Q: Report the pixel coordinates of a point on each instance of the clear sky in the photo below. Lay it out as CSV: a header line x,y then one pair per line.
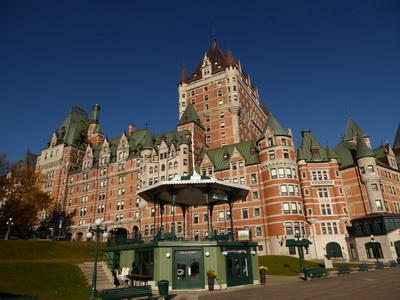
x,y
315,63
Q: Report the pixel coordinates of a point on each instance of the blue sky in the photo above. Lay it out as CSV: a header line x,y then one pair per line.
x,y
315,63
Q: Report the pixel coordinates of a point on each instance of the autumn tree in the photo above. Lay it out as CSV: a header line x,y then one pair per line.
x,y
22,199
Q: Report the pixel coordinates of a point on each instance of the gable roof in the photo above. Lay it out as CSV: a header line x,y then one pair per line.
x,y
310,147
220,157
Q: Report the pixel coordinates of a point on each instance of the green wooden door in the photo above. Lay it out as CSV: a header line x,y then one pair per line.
x,y
238,268
188,269
333,249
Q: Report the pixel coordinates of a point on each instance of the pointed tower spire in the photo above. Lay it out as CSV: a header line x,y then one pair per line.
x,y
397,139
190,115
184,78
229,58
148,140
330,153
274,125
362,149
353,131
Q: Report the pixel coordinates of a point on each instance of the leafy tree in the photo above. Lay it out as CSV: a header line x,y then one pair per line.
x,y
23,199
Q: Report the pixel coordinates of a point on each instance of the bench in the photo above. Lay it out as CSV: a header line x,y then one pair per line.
x,y
127,293
393,263
312,273
379,265
362,267
343,269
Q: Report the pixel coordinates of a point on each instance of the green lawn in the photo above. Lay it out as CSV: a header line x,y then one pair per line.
x,y
284,265
44,268
48,280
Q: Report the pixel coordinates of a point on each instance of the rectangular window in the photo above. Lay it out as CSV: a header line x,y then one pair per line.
x,y
371,169
281,172
284,190
258,231
294,208
245,214
220,216
256,212
374,186
253,178
378,204
255,195
272,154
273,174
286,208
196,219
289,228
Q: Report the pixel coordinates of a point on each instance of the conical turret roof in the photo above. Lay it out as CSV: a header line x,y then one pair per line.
x,y
353,131
362,149
274,125
190,116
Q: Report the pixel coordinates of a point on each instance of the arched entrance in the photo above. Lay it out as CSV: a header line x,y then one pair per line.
x,y
135,232
79,236
333,249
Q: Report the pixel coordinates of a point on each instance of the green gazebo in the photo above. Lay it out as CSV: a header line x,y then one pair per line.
x,y
181,259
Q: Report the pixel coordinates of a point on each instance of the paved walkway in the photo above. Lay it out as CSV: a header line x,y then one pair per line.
x,y
376,284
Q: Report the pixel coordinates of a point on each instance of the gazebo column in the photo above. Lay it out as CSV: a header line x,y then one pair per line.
x,y
231,215
161,219
209,230
155,215
173,212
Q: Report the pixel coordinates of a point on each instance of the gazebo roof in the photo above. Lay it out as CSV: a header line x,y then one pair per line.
x,y
192,190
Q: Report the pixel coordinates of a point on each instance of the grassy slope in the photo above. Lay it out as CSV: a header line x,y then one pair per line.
x,y
284,265
43,268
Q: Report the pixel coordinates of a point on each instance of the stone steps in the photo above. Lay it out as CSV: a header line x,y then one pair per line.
x,y
105,279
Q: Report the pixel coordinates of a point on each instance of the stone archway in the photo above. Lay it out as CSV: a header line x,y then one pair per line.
x,y
135,232
334,250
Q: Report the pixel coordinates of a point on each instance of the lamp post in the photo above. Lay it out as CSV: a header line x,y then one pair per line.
x,y
9,224
298,239
375,248
89,235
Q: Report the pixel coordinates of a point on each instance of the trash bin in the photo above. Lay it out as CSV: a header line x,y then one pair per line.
x,y
163,288
306,273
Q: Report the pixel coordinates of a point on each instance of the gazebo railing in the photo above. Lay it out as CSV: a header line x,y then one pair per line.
x,y
196,235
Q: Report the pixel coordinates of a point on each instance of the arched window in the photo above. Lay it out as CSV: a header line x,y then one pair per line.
x,y
170,166
374,250
162,167
176,165
151,170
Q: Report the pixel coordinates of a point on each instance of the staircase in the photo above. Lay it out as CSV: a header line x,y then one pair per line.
x,y
105,279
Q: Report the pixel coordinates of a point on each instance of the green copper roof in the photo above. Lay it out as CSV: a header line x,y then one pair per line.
x,y
28,161
74,128
362,149
220,157
274,125
346,153
353,131
148,142
310,149
330,153
190,116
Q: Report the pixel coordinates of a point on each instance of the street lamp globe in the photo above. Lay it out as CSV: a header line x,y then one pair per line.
x,y
98,222
89,235
105,235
